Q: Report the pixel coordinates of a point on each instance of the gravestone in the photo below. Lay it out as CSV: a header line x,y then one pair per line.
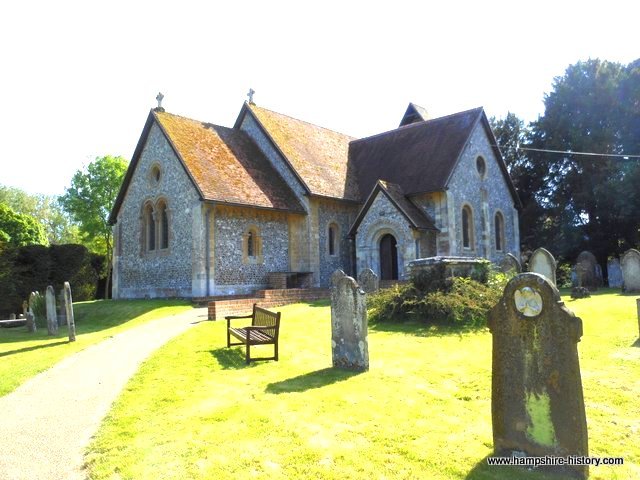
x,y
68,306
25,307
614,273
542,262
335,276
537,404
12,316
589,275
62,312
52,317
31,323
368,281
630,264
349,343
510,264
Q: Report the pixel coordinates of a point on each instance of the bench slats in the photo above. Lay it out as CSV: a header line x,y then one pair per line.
x,y
264,329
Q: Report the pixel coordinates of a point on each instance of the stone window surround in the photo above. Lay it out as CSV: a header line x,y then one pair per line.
x,y
481,167
151,207
155,174
336,238
470,227
257,258
500,232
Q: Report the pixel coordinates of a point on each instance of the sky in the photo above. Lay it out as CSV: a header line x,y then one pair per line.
x,y
78,78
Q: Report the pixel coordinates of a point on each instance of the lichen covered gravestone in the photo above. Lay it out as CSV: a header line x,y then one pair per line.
x,y
368,281
510,264
614,273
542,262
52,317
537,404
630,263
349,343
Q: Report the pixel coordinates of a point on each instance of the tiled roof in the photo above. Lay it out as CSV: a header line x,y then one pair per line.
x,y
319,156
414,215
419,157
226,165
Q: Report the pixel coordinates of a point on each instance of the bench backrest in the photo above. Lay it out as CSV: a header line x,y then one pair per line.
x,y
266,318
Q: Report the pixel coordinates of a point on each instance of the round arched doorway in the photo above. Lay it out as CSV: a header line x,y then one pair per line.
x,y
388,257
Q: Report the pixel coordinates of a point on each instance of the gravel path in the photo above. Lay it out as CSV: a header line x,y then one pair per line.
x,y
46,424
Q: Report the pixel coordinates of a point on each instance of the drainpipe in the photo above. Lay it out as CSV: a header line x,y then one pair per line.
x,y
207,248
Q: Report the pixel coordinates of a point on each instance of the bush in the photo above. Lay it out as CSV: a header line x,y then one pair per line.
x,y
433,299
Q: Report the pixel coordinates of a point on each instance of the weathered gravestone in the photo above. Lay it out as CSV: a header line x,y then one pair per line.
x,y
335,276
349,343
537,405
614,273
368,281
12,316
589,275
638,309
62,311
542,262
52,317
510,264
630,264
68,305
31,323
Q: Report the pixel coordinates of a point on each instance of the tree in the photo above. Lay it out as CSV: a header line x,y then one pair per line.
x,y
589,111
89,200
17,229
45,209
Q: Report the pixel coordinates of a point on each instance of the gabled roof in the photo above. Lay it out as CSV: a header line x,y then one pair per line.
x,y
317,156
420,157
224,164
415,113
414,215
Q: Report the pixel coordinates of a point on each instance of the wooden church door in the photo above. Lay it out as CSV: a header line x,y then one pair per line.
x,y
388,258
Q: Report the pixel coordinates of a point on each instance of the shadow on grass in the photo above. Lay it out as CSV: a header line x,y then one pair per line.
x,y
29,349
421,329
230,358
308,381
483,471
636,343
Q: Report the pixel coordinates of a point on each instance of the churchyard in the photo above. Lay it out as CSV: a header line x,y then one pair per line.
x,y
25,354
421,410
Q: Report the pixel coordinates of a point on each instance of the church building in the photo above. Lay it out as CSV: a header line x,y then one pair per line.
x,y
276,202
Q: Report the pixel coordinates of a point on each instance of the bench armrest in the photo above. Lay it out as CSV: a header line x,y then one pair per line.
x,y
232,317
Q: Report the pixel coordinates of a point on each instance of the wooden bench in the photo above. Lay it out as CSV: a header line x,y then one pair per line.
x,y
264,329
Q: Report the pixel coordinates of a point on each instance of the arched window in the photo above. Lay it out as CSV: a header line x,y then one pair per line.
x,y
149,229
481,166
251,247
332,239
467,228
499,227
163,227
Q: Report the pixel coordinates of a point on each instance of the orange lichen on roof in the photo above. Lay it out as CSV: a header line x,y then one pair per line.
x,y
226,164
318,155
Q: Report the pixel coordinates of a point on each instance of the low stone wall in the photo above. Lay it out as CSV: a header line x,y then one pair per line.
x,y
218,309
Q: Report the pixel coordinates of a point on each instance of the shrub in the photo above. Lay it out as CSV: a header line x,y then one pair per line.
x,y
431,298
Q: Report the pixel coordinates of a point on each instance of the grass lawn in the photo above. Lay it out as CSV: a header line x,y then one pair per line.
x,y
23,355
422,411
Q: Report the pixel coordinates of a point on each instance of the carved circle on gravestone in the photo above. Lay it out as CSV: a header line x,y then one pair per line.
x,y
528,302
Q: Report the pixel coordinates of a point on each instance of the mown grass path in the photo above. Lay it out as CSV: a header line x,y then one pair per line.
x,y
23,354
48,421
422,411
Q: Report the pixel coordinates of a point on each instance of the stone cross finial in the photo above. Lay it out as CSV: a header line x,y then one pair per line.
x,y
250,95
159,98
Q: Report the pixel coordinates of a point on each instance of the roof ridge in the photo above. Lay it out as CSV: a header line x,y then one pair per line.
x,y
417,124
299,120
192,119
